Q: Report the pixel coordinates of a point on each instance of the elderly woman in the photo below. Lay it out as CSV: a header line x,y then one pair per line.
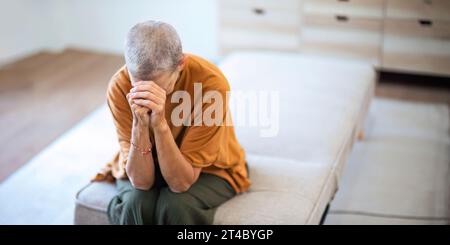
x,y
169,172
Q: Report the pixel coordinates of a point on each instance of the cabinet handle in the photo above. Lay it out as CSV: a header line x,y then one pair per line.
x,y
341,18
349,0
425,23
429,2
259,11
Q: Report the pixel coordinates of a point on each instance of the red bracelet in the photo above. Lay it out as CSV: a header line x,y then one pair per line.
x,y
143,152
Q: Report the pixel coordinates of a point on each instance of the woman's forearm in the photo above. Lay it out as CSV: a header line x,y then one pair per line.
x,y
176,170
140,167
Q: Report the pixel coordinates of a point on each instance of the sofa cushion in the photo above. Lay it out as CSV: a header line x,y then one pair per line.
x,y
92,202
284,191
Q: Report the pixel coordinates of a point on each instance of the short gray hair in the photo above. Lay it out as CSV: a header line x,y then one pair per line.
x,y
152,47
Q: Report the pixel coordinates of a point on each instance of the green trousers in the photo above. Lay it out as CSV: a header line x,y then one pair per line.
x,y
159,205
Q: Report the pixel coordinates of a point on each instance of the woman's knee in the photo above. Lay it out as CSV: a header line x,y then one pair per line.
x,y
133,207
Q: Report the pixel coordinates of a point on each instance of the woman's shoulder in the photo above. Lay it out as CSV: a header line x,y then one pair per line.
x,y
119,83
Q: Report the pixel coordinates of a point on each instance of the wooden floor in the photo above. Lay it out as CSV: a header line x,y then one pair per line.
x,y
47,93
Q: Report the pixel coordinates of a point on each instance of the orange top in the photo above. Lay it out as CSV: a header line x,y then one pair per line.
x,y
213,148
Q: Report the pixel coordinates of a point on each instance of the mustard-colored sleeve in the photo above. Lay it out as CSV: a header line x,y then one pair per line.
x,y
122,117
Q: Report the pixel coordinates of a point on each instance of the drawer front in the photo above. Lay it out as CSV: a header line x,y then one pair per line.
x,y
356,8
419,9
259,24
342,36
232,39
411,46
261,18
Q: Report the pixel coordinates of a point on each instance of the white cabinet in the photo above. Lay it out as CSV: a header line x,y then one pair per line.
x,y
417,36
256,24
417,46
399,35
343,36
344,28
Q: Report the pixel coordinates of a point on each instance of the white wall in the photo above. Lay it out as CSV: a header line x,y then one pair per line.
x,y
24,28
101,24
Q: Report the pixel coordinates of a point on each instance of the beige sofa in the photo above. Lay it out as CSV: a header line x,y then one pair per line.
x,y
295,173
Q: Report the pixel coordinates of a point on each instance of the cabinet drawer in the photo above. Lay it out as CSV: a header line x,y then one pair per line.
x,y
277,20
356,8
259,24
409,45
232,39
419,9
342,36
